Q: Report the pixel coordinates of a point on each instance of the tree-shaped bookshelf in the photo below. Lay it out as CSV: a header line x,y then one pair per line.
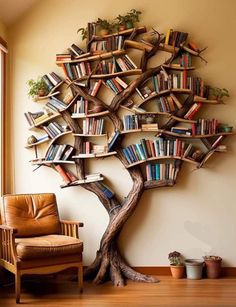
x,y
169,99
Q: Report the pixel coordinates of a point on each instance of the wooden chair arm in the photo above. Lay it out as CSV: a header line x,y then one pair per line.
x,y
7,244
70,228
8,228
72,222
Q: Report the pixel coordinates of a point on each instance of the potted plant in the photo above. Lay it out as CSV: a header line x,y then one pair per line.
x,y
218,93
176,265
213,266
127,21
37,88
104,26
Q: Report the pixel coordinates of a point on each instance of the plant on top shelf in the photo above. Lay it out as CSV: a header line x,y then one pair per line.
x,y
218,93
104,26
37,87
127,21
176,264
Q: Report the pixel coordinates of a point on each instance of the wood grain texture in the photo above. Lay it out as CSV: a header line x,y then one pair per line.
x,y
62,292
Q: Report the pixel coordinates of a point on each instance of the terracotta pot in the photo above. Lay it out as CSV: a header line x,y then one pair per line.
x,y
213,268
122,27
177,271
41,93
104,32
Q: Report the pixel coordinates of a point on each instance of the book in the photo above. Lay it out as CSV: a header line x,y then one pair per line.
x,y
113,139
63,173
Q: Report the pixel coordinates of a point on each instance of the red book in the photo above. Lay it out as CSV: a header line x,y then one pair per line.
x,y
63,174
152,148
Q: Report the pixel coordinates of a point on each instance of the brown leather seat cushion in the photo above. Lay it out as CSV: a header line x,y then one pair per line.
x,y
47,246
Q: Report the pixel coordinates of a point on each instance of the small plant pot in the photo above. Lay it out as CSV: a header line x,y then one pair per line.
x,y
104,32
42,93
122,27
194,268
177,271
213,268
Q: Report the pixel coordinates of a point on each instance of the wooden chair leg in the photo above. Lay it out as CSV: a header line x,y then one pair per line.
x,y
80,278
17,286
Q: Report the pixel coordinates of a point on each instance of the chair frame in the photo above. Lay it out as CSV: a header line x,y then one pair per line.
x,y
10,261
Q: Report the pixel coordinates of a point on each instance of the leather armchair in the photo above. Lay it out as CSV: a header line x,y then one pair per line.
x,y
33,240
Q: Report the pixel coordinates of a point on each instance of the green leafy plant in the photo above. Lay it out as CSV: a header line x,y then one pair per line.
x,y
219,93
131,17
84,33
175,258
104,24
35,86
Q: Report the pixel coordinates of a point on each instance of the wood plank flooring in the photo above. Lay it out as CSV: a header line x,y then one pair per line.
x,y
61,291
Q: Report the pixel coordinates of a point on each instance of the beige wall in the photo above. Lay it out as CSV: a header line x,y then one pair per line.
x,y
195,217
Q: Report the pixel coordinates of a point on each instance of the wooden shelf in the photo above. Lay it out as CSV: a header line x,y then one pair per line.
x,y
190,50
55,87
89,135
55,115
207,101
104,113
137,45
37,143
81,181
195,136
164,92
161,158
43,162
151,184
127,32
39,98
126,73
173,67
57,137
168,48
95,155
91,58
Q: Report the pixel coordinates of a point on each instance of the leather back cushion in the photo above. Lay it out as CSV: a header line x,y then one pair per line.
x,y
31,214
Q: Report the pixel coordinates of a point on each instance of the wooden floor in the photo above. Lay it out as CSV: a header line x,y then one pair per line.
x,y
61,291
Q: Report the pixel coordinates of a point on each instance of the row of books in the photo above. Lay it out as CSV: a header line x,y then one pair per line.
x,y
56,104
117,85
38,117
59,152
185,60
53,129
123,63
205,126
51,79
130,122
107,44
80,107
75,71
90,148
160,147
169,103
161,171
175,38
93,126
162,82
